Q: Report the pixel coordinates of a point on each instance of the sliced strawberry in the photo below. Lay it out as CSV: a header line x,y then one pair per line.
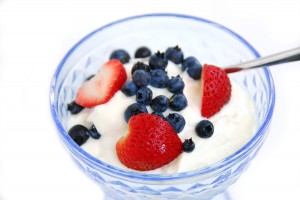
x,y
150,143
215,90
102,87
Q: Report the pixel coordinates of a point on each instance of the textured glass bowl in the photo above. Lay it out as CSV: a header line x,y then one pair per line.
x,y
210,43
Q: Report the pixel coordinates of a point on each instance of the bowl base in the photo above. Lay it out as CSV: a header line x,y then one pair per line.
x,y
224,196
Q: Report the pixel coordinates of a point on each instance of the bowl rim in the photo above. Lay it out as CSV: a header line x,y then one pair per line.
x,y
140,176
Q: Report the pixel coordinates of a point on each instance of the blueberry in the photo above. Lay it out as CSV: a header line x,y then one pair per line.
x,y
158,61
158,114
121,55
129,89
205,129
178,102
79,134
134,109
176,121
188,145
141,78
160,103
142,52
174,54
74,108
176,85
189,62
159,78
140,65
144,96
93,132
195,72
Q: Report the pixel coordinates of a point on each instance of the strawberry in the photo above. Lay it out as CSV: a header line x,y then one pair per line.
x,y
215,90
151,143
102,87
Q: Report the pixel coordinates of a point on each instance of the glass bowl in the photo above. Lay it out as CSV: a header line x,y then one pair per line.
x,y
211,43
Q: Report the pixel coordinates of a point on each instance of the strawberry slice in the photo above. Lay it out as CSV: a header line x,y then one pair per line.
x,y
215,90
102,87
150,143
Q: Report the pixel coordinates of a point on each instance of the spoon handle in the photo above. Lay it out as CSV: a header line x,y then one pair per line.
x,y
274,59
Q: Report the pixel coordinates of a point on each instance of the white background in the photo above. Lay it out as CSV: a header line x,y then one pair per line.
x,y
35,35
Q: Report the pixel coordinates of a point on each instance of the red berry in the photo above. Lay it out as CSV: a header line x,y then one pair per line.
x,y
102,87
215,90
151,143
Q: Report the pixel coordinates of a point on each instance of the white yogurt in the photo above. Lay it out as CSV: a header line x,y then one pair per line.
x,y
234,125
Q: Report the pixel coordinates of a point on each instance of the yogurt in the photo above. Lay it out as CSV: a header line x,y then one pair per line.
x,y
234,125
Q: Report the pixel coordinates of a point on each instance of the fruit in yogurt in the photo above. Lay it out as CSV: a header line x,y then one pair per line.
x,y
79,134
176,121
121,55
215,90
134,109
102,87
193,67
158,61
175,54
74,108
151,143
160,104
159,78
204,129
142,52
188,145
123,134
176,85
129,89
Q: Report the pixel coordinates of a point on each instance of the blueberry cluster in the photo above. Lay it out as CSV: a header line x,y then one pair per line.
x,y
80,134
154,74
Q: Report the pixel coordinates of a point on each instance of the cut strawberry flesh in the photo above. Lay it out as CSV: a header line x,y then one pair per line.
x,y
102,87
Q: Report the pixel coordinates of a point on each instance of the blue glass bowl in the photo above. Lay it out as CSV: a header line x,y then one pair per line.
x,y
211,43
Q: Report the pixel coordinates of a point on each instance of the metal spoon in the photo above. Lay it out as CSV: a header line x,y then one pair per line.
x,y
274,59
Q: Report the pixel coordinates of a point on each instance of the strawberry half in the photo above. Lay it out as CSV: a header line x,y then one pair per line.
x,y
150,143
102,87
215,90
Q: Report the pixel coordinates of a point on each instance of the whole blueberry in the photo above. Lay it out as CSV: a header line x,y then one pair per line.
x,y
189,62
178,102
129,88
158,61
74,108
204,129
93,132
174,54
158,114
79,134
195,72
144,96
160,103
188,145
176,121
159,78
134,109
141,78
142,52
176,85
140,65
121,55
